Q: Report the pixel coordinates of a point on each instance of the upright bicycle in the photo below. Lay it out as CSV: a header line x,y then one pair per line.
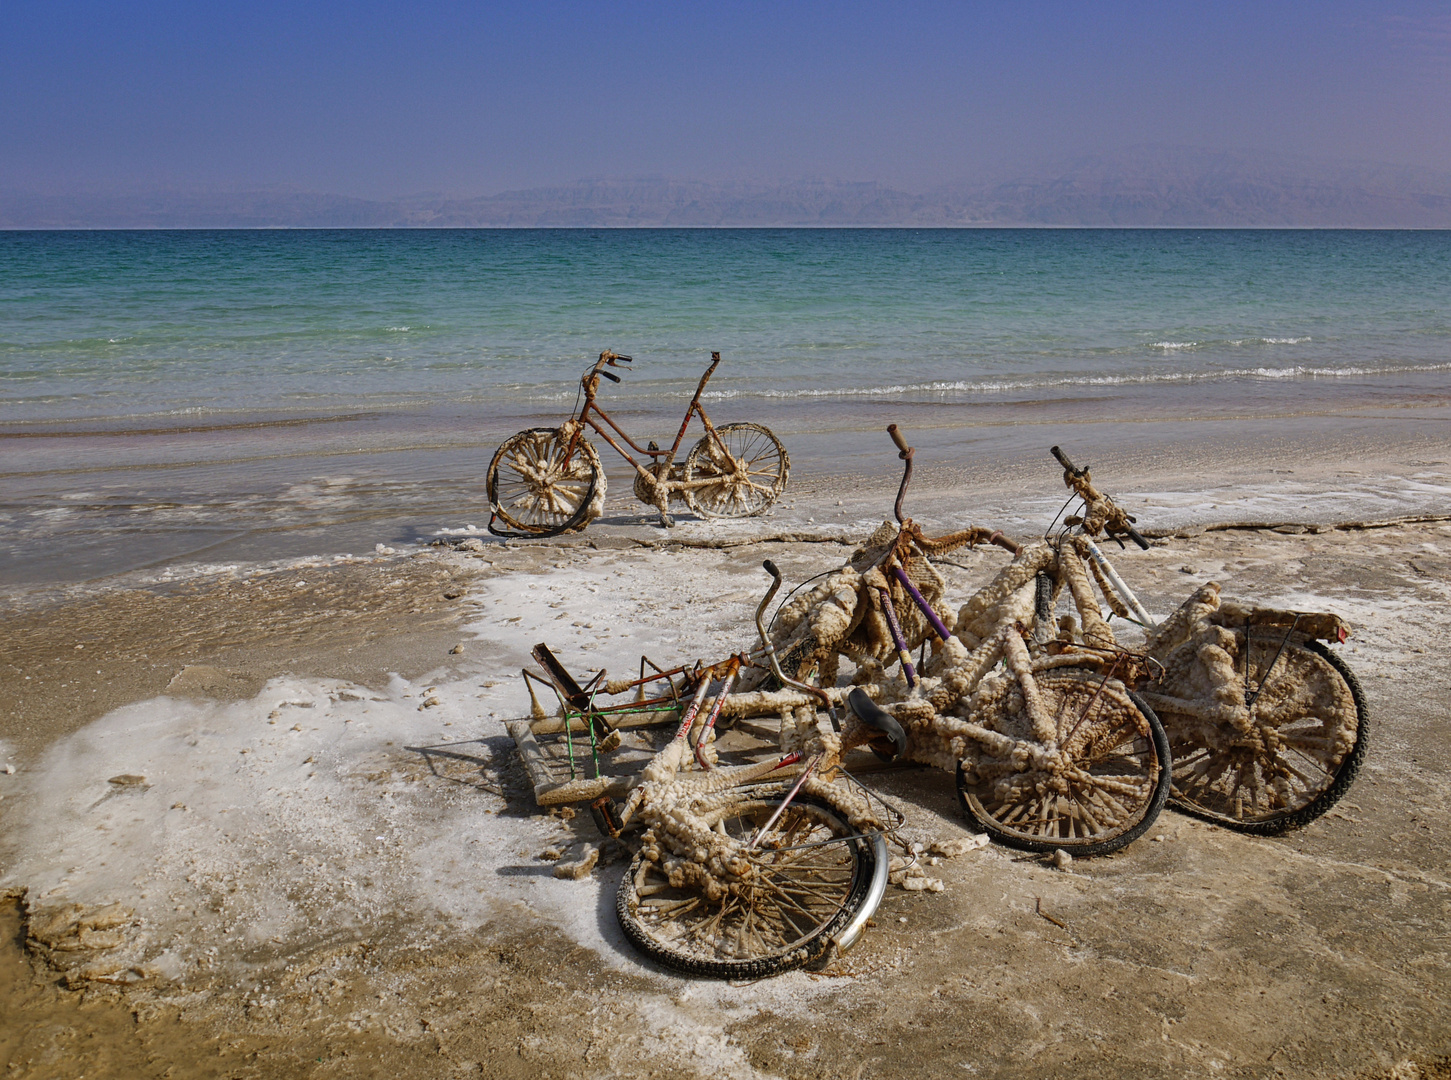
x,y
547,481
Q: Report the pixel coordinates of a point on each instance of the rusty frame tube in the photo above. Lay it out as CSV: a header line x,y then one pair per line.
x,y
591,383
733,670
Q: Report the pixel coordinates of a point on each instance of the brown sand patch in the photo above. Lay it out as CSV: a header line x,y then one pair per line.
x,y
222,637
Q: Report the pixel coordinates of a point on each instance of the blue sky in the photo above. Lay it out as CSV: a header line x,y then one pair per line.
x,y
384,99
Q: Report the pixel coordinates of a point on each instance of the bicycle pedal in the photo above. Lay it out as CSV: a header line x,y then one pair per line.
x,y
606,817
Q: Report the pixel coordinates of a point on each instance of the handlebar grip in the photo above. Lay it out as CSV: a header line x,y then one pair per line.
x,y
771,569
898,439
610,375
1063,460
1136,538
626,359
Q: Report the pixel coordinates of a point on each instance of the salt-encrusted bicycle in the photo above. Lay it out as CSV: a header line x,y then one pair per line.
x,y
751,870
546,481
1050,745
739,875
1268,728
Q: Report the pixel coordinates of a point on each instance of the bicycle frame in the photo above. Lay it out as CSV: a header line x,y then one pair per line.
x,y
591,384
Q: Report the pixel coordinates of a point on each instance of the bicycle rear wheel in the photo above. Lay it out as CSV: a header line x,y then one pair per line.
x,y
1108,785
535,492
807,877
1310,729
742,482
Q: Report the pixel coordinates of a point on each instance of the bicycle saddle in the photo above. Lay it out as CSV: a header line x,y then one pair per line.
x,y
891,742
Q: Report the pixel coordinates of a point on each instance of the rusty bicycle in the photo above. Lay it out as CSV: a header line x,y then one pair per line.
x,y
743,868
547,481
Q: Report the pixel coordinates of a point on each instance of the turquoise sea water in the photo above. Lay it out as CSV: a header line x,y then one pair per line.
x,y
225,383
122,325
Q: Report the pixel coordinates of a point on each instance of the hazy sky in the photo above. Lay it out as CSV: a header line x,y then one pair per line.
x,y
388,98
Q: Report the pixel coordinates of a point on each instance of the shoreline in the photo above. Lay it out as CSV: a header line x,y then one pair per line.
x,y
133,502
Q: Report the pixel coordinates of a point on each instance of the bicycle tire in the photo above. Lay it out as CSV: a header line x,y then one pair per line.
x,y
528,492
849,870
1043,600
992,802
1336,781
766,468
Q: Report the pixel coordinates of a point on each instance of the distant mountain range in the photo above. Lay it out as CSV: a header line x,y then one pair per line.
x,y
1141,187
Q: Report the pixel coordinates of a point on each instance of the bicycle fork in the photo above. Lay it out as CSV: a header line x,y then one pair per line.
x,y
1125,593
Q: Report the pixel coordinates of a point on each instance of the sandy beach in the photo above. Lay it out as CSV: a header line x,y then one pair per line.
x,y
264,819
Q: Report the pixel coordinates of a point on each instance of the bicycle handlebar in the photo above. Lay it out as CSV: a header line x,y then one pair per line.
x,y
1079,480
606,358
1063,460
905,450
786,680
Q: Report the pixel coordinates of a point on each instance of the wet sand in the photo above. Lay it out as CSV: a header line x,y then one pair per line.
x,y
327,858
78,504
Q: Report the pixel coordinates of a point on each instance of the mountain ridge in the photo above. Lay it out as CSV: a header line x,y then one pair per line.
x,y
1141,187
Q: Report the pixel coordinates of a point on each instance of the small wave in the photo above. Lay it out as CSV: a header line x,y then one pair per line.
x,y
1284,340
1169,345
1019,385
400,329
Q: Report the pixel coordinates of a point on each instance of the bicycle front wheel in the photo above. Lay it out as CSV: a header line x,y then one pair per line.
x,y
741,481
1309,730
804,881
1104,788
535,492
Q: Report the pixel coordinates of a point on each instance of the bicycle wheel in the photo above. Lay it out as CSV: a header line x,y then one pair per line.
x,y
1105,786
535,493
806,878
1310,729
741,483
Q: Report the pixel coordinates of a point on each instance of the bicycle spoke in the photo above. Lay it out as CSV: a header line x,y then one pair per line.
x,y
795,887
1303,725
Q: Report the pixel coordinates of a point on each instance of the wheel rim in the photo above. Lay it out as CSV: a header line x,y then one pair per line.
x,y
802,876
1303,724
1102,786
533,489
743,484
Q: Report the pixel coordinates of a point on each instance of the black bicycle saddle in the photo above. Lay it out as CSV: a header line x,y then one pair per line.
x,y
878,719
